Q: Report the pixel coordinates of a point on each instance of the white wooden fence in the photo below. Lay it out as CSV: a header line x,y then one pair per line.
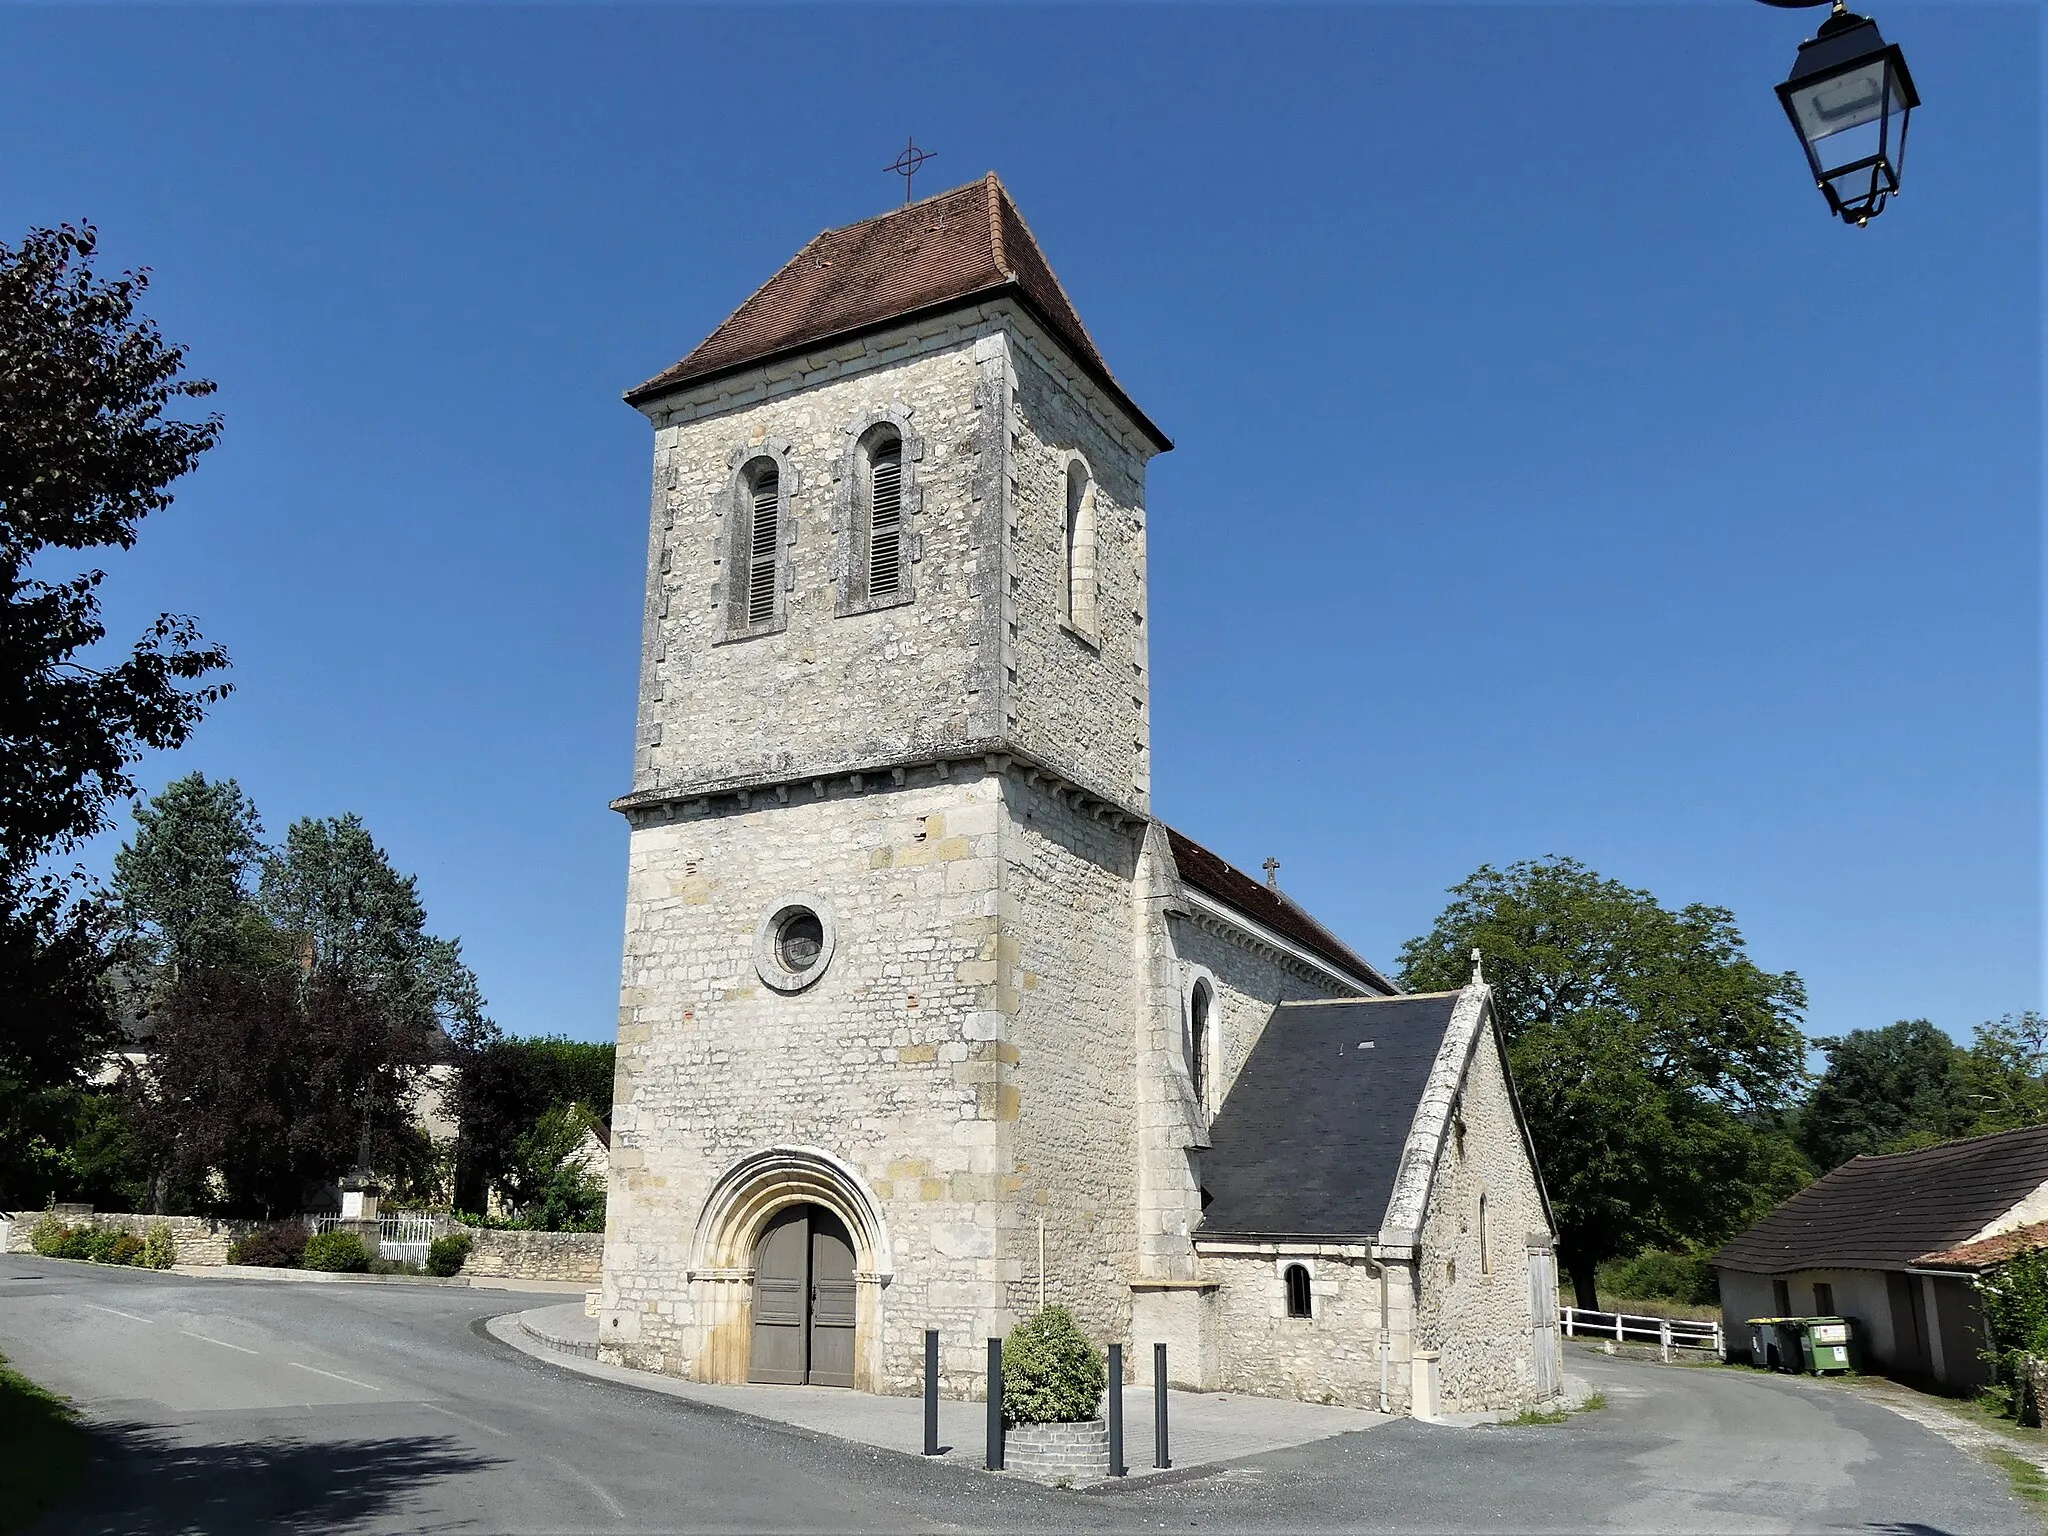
x,y
403,1237
1667,1333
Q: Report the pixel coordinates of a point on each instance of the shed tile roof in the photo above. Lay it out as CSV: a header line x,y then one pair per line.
x,y
1885,1212
1987,1252
1309,1141
965,245
1266,905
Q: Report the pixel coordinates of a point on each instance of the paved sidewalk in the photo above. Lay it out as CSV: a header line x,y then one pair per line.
x,y
1204,1427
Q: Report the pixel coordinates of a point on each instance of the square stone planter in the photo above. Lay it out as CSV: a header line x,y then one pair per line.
x,y
1068,1453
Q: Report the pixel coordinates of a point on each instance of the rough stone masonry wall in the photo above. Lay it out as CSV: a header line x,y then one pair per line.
x,y
1080,704
503,1255
199,1239
1068,957
1247,983
831,690
1331,1356
1478,1314
893,1060
1250,984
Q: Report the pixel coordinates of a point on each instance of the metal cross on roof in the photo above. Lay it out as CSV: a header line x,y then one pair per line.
x,y
906,164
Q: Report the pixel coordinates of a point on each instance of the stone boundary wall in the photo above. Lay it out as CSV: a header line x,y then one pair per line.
x,y
502,1255
1076,1453
200,1239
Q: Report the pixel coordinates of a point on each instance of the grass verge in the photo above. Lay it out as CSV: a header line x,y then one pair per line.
x,y
42,1449
1529,1416
2028,1481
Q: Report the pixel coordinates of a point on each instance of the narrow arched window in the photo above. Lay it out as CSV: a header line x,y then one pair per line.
x,y
885,518
1080,548
1198,1042
757,549
1485,1248
1296,1278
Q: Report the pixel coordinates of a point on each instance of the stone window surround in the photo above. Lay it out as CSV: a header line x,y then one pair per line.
x,y
731,622
1191,977
1090,633
849,510
768,964
1281,1265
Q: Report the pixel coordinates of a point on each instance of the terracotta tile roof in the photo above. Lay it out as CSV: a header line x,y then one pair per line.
x,y
1885,1212
1263,904
1987,1252
966,245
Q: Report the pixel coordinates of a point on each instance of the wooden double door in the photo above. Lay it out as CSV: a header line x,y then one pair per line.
x,y
804,1300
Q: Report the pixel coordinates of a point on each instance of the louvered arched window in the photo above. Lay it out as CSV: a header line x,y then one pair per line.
x,y
1080,595
885,518
756,601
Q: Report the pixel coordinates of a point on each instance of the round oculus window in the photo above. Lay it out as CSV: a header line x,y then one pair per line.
x,y
793,943
799,940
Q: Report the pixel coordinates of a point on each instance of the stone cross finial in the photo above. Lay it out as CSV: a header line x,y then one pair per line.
x,y
1478,976
1272,868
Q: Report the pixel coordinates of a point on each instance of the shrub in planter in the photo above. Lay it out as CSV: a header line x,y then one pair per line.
x,y
337,1252
77,1243
127,1249
1051,1373
447,1255
159,1248
48,1236
280,1245
103,1244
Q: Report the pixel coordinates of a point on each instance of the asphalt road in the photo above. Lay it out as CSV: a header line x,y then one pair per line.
x,y
232,1406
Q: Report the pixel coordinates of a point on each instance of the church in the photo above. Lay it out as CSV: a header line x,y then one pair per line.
x,y
925,1019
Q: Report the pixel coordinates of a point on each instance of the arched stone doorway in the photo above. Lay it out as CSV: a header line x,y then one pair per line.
x,y
760,1215
804,1300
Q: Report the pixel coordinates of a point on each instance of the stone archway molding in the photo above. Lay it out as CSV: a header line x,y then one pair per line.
x,y
721,1277
757,1186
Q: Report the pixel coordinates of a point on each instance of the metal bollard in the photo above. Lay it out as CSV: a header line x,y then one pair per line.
x,y
1116,1411
931,1391
995,1405
1159,1456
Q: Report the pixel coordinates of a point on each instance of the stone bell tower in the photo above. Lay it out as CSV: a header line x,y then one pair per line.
x,y
891,787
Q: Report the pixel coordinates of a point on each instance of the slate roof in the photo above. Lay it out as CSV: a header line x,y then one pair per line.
x,y
1986,1252
1885,1212
960,247
1263,904
1308,1142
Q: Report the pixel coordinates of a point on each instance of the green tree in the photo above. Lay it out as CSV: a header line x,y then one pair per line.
x,y
1885,1090
547,1183
88,448
1651,1054
2005,1074
263,1080
336,896
185,883
508,1085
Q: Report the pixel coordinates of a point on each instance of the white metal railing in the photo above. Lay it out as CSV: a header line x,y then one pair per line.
x,y
403,1236
1667,1333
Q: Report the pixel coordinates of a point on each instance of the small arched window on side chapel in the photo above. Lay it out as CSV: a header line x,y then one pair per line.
x,y
882,553
1200,1003
755,598
1298,1295
1080,548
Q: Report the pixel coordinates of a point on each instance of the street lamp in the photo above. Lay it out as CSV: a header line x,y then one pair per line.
x,y
1849,97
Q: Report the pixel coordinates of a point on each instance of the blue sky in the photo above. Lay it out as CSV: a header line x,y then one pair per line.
x,y
1552,475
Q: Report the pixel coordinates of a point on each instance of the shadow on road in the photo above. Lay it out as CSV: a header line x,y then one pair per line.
x,y
144,1482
